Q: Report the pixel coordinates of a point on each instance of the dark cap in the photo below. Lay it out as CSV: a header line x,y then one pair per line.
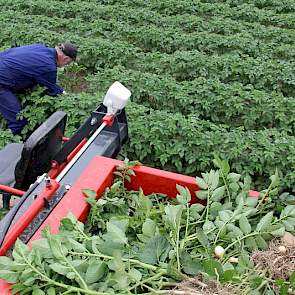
x,y
69,49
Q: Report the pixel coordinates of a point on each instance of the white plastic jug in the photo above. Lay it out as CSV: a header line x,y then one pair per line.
x,y
116,97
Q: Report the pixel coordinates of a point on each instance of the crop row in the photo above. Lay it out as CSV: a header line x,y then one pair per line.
x,y
277,6
231,104
90,11
188,145
154,38
244,11
184,144
262,73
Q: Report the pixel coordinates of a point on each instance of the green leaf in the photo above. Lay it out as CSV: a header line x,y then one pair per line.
x,y
225,215
288,211
212,266
135,275
173,215
228,275
116,231
251,202
278,232
202,237
9,276
59,268
251,244
89,193
234,231
71,275
275,179
213,178
149,227
197,207
202,195
244,225
144,203
244,261
261,243
95,271
218,194
55,246
208,226
201,183
264,222
118,173
6,263
38,292
76,246
184,195
222,164
234,177
51,291
155,250
190,266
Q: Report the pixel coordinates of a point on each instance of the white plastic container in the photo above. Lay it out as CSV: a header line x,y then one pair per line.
x,y
116,97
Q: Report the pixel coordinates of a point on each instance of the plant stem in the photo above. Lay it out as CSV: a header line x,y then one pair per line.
x,y
67,287
142,264
208,205
225,183
243,238
159,274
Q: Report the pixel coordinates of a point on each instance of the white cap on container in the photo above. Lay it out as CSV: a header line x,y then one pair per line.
x,y
116,97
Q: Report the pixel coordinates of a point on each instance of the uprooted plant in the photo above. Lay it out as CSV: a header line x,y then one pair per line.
x,y
137,244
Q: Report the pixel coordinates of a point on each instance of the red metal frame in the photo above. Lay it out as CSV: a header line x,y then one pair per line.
x,y
28,216
11,190
98,176
56,168
108,119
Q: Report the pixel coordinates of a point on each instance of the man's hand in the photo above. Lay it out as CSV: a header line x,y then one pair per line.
x,y
64,92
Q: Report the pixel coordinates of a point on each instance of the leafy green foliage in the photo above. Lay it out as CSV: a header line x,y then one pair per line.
x,y
140,244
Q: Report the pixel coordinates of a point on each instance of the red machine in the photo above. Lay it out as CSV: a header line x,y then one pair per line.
x,y
49,172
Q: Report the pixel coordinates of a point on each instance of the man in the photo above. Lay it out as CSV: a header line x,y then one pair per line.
x,y
24,67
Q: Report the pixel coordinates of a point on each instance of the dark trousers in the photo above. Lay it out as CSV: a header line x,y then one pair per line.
x,y
10,107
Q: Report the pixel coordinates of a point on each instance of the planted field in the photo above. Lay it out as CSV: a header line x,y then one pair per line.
x,y
212,83
226,63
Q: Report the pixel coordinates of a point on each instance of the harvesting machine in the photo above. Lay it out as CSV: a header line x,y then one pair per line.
x,y
48,172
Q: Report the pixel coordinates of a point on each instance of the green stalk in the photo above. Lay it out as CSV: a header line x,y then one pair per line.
x,y
208,205
182,244
67,287
243,238
135,261
77,274
158,275
225,183
177,242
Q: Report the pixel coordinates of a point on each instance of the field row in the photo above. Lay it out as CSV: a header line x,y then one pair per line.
x,y
231,103
244,11
262,73
186,144
87,13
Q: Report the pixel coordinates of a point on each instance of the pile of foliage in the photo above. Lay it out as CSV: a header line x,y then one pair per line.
x,y
137,244
217,78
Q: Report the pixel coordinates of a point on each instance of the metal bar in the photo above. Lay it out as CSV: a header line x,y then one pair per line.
x,y
28,216
11,190
78,155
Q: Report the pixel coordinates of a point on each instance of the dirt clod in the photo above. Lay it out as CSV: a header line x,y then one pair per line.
x,y
278,264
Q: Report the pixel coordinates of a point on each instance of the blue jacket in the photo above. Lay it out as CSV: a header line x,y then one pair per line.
x,y
27,66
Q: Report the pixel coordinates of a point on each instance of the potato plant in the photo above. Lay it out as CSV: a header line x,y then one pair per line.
x,y
137,244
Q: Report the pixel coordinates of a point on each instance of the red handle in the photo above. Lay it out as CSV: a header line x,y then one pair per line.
x,y
108,120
